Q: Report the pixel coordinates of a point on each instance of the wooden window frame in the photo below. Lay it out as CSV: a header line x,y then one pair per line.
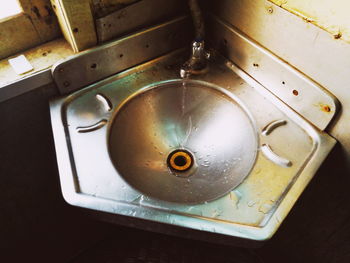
x,y
36,24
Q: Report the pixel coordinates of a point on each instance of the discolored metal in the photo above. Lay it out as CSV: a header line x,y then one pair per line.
x,y
195,116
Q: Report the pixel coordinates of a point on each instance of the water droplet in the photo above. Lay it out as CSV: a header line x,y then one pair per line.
x,y
216,213
239,197
278,219
265,208
137,199
251,203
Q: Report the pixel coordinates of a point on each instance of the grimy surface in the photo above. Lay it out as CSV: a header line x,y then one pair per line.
x,y
36,225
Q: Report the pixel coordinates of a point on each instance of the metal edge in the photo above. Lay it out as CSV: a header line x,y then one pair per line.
x,y
66,65
29,83
335,104
321,140
66,174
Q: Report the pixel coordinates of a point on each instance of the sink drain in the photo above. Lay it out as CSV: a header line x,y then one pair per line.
x,y
180,160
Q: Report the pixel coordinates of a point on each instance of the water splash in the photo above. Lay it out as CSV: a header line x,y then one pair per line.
x,y
183,101
138,200
265,208
188,130
238,195
216,213
251,203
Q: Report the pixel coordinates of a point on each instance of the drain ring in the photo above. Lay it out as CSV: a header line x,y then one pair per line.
x,y
180,160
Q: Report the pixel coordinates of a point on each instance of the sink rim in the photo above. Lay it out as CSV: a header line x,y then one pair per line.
x,y
72,194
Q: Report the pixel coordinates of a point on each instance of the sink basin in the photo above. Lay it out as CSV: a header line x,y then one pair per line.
x,y
216,153
202,121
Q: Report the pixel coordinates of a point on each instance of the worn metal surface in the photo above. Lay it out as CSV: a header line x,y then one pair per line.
x,y
206,121
98,63
137,16
305,96
253,210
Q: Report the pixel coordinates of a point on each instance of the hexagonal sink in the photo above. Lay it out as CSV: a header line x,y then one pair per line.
x,y
183,141
218,154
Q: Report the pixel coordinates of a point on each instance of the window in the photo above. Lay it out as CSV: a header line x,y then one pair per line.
x,y
12,7
24,24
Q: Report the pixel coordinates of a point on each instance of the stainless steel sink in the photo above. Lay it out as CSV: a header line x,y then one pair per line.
x,y
218,153
204,122
114,138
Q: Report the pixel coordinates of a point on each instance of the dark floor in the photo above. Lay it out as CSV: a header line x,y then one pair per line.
x,y
36,225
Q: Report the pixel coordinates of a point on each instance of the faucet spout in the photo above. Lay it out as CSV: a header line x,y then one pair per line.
x,y
197,63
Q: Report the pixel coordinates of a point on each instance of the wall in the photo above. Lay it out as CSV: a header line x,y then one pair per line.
x,y
331,15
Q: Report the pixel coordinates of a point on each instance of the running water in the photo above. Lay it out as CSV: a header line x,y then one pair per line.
x,y
184,130
183,101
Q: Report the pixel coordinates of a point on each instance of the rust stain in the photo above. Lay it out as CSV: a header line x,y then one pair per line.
x,y
338,35
295,93
325,108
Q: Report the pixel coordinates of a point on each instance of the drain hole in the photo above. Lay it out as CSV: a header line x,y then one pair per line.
x,y
180,160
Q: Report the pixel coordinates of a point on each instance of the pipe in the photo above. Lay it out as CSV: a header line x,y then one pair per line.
x,y
198,20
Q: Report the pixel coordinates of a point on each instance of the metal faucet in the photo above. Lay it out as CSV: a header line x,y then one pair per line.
x,y
197,63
